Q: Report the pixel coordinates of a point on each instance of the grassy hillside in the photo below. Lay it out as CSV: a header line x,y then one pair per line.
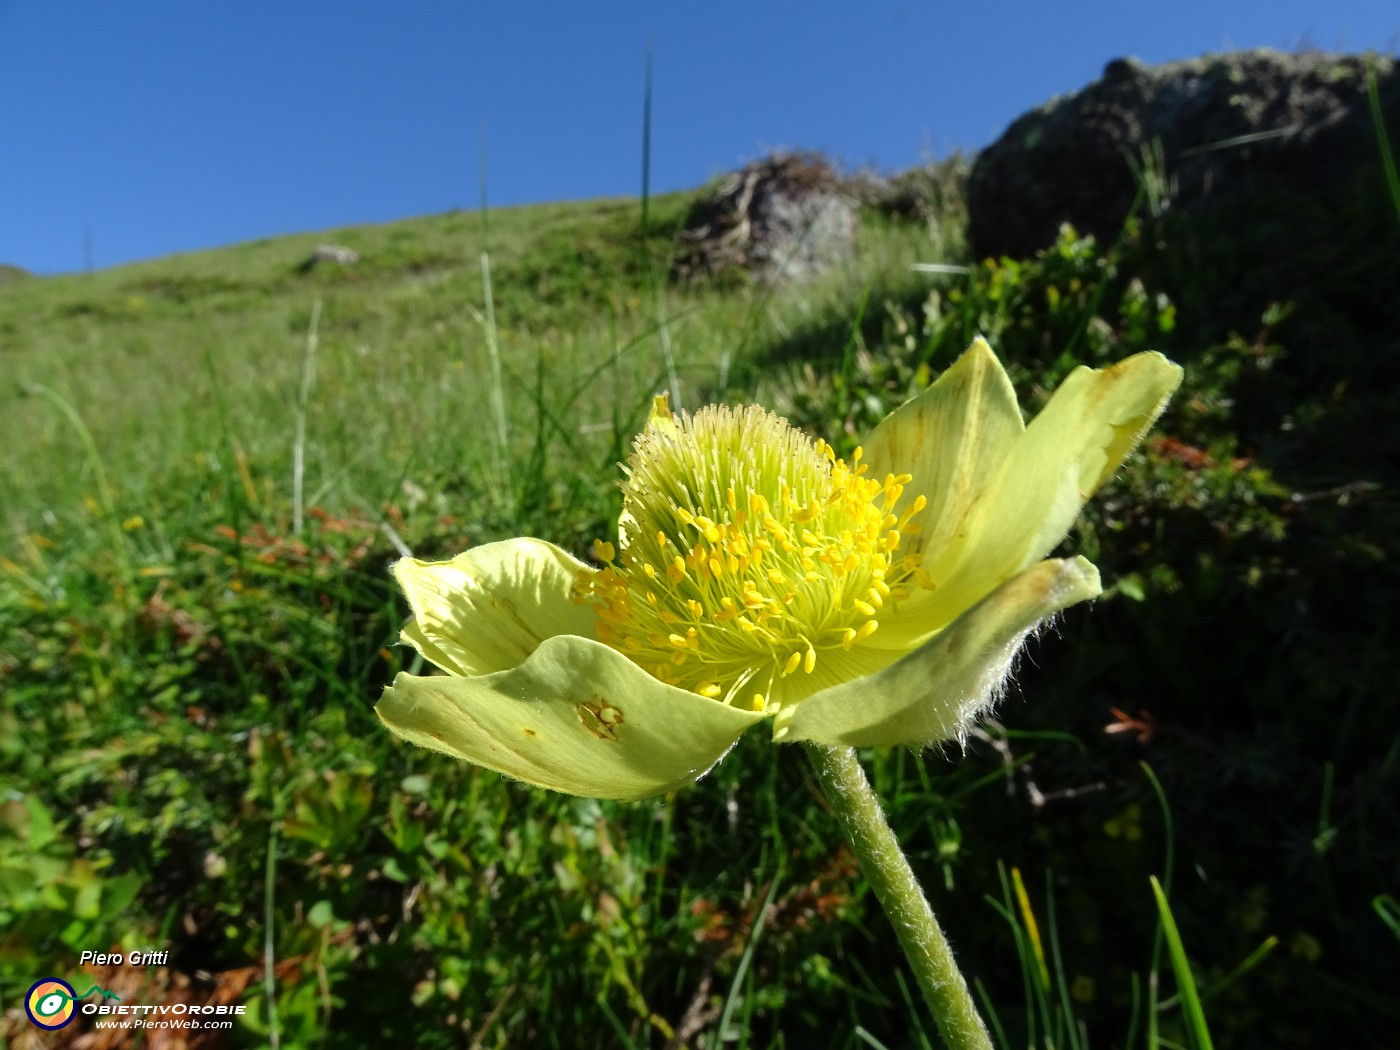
x,y
203,354
189,664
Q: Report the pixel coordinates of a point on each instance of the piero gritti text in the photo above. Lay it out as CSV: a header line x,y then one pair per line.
x,y
130,958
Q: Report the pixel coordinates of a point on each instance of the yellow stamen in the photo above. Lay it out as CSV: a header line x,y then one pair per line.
x,y
749,550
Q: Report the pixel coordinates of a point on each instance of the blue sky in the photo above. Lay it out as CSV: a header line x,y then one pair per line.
x,y
147,127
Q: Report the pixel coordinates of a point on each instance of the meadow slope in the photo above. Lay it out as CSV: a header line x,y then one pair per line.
x,y
208,462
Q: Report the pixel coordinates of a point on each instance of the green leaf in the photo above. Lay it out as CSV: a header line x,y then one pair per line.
x,y
393,870
41,829
320,915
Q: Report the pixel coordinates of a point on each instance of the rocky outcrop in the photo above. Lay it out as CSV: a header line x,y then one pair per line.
x,y
933,190
783,217
1186,133
329,253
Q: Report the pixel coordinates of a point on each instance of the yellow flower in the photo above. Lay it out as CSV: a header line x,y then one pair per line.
x,y
869,603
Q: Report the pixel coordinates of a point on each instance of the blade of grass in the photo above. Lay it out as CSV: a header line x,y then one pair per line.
x,y
732,999
1181,966
308,375
1392,178
989,1011
1389,911
662,328
906,995
1036,1005
1250,962
617,1025
1135,1013
488,324
1023,902
274,1031
1075,1037
106,501
868,1039
1154,972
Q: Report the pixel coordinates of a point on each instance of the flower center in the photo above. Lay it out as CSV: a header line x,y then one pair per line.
x,y
748,551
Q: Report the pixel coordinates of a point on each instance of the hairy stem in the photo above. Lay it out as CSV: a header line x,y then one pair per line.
x,y
888,872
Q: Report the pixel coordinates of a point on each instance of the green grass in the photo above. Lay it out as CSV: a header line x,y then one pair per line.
x,y
192,761
200,356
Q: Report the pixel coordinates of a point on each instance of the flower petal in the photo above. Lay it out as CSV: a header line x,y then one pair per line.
x,y
832,666
936,691
1086,430
488,609
576,716
952,438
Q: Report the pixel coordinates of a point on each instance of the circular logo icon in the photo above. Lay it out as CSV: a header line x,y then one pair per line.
x,y
49,1003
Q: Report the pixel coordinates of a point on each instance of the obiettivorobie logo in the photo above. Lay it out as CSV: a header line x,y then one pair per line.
x,y
50,1003
53,1003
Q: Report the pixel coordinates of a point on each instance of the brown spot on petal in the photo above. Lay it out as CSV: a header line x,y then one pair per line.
x,y
599,717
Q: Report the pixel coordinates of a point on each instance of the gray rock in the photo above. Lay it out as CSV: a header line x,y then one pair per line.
x,y
935,189
1191,133
336,253
783,217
